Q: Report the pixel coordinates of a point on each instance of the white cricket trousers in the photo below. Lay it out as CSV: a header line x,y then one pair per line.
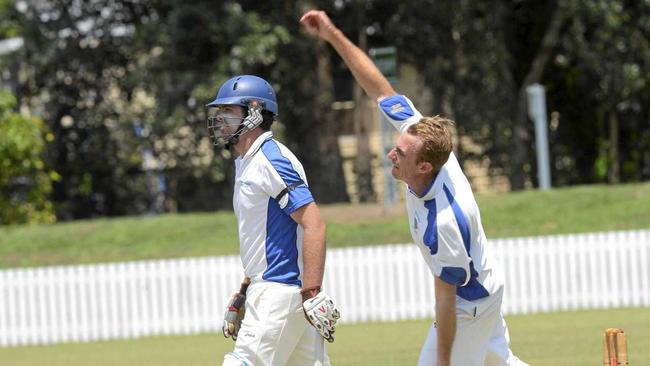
x,y
274,330
481,336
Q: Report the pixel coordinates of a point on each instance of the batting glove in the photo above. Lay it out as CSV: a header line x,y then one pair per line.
x,y
234,314
321,312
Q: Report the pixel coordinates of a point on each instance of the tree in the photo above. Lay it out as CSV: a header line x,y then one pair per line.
x,y
601,79
477,57
77,74
25,183
301,72
239,40
121,85
533,75
99,71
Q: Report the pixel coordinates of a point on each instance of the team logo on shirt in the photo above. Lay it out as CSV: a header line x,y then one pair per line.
x,y
397,108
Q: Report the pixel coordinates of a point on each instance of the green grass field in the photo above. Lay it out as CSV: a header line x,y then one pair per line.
x,y
566,210
556,339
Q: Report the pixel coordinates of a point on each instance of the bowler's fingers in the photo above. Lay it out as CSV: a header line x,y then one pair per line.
x,y
310,22
316,21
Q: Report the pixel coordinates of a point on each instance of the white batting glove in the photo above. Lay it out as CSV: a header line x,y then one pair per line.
x,y
321,312
234,314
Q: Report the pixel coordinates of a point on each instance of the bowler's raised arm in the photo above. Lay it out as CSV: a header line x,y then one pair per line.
x,y
316,22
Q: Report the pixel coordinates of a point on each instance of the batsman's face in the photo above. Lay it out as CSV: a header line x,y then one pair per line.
x,y
404,157
223,122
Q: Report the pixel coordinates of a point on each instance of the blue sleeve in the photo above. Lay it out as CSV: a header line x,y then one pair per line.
x,y
298,197
284,183
399,111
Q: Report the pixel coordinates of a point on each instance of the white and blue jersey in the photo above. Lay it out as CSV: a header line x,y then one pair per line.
x,y
270,184
445,222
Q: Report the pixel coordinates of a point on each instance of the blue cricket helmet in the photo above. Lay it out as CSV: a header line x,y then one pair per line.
x,y
241,89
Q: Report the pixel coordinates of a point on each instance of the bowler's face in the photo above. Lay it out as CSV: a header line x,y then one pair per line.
x,y
404,157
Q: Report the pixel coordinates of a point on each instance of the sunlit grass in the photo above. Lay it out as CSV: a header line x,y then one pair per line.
x,y
555,339
566,210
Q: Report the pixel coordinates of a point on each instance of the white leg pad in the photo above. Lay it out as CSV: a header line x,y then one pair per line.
x,y
233,359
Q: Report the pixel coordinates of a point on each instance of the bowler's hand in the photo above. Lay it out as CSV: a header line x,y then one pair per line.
x,y
316,22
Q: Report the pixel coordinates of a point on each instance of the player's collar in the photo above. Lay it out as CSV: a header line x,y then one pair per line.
x,y
435,186
430,191
257,144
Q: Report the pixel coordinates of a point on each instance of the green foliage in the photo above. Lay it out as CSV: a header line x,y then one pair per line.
x,y
9,25
538,339
476,54
95,70
600,76
99,71
600,168
80,68
24,183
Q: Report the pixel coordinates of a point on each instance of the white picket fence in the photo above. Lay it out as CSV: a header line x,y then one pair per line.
x,y
378,283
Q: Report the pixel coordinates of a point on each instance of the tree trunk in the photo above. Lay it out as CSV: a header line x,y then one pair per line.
x,y
614,171
363,159
328,182
601,140
520,152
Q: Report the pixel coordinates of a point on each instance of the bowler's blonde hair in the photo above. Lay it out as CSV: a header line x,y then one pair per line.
x,y
435,133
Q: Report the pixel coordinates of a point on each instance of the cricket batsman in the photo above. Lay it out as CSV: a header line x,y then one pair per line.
x,y
280,316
